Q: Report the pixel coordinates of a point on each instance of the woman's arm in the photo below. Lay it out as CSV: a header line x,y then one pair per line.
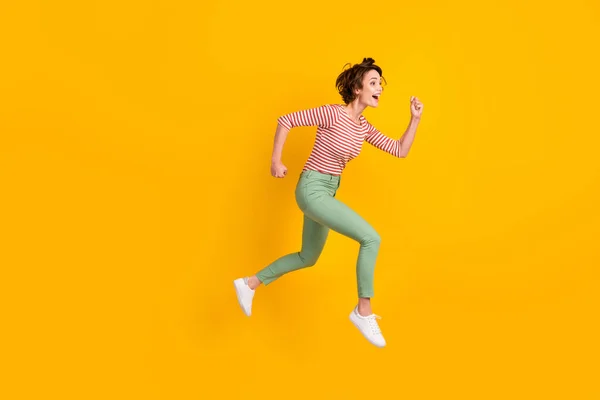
x,y
408,138
406,141
279,170
399,147
323,116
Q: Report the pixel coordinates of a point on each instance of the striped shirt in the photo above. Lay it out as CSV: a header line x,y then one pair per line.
x,y
339,139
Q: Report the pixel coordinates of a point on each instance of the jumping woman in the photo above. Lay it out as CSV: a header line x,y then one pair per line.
x,y
341,131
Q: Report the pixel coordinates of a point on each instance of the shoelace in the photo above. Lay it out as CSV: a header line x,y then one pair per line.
x,y
373,323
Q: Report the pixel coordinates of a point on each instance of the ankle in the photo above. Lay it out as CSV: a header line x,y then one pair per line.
x,y
253,282
364,307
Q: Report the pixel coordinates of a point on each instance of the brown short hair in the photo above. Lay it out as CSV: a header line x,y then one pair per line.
x,y
351,79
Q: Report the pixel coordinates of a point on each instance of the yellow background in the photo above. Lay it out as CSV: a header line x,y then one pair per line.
x,y
135,141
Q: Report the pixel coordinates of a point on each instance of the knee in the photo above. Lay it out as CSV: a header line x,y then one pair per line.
x,y
372,239
308,260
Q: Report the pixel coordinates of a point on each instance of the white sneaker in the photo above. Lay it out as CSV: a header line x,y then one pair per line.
x,y
368,327
244,295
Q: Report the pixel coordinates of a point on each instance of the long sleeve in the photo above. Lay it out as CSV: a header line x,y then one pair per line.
x,y
323,116
383,142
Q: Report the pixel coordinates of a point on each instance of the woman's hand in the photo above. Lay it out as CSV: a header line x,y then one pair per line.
x,y
416,107
278,170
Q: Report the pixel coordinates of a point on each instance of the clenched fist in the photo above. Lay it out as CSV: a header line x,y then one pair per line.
x,y
278,170
416,107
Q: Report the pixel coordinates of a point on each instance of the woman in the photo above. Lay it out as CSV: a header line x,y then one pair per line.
x,y
340,134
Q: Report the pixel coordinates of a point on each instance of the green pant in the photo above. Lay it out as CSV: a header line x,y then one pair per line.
x,y
315,195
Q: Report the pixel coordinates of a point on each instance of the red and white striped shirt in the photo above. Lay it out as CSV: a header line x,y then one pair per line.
x,y
339,139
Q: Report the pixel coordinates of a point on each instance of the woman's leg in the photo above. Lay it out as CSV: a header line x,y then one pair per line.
x,y
337,216
314,236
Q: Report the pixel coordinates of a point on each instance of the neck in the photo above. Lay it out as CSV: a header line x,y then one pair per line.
x,y
355,109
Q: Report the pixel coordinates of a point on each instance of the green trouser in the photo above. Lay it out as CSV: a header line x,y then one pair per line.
x,y
315,194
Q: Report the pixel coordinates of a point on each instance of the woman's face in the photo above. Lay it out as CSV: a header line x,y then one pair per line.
x,y
371,90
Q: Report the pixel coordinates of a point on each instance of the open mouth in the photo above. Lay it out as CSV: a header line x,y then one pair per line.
x,y
376,97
